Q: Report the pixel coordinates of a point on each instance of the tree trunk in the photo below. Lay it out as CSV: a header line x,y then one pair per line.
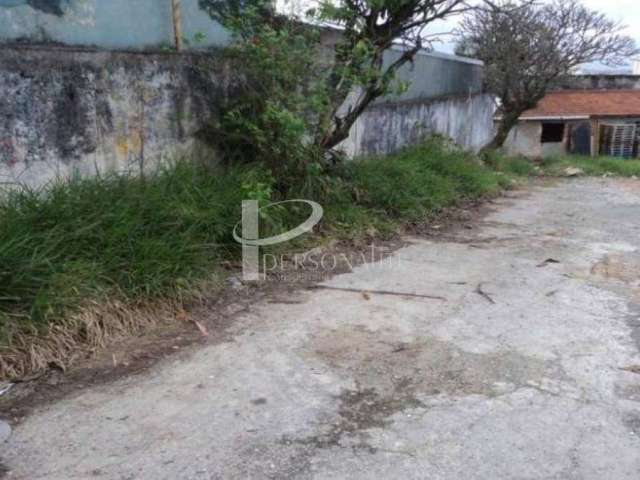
x,y
509,120
341,126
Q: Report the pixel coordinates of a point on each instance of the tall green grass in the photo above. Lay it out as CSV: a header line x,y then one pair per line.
x,y
116,235
419,182
161,236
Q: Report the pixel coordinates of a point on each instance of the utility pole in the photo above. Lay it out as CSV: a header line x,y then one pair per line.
x,y
177,23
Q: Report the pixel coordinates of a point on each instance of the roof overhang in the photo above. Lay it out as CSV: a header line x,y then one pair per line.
x,y
567,117
549,118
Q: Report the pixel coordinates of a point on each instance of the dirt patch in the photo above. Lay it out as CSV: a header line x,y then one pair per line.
x,y
358,411
376,359
394,376
632,421
624,267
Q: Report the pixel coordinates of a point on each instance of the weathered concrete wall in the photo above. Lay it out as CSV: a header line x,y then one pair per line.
x,y
68,112
552,149
387,127
109,24
524,139
445,96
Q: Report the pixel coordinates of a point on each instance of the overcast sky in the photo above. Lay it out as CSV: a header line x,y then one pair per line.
x,y
626,11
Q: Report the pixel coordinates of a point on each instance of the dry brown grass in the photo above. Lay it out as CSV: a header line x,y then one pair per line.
x,y
82,335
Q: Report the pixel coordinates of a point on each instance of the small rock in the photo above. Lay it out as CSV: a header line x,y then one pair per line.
x,y
573,172
5,431
634,177
234,282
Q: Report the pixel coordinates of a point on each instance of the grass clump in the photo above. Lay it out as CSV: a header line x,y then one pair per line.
x,y
419,182
594,166
115,236
121,240
379,194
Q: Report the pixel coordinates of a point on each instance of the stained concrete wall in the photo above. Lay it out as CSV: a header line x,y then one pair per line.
x,y
385,128
524,139
68,112
445,96
109,24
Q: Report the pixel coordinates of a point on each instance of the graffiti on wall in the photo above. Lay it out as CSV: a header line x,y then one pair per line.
x,y
52,7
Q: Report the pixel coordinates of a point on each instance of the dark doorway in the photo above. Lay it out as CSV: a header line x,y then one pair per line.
x,y
581,139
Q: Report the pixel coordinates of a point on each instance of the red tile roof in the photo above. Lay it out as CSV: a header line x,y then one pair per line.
x,y
587,103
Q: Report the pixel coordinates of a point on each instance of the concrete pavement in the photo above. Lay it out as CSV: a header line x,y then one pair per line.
x,y
526,369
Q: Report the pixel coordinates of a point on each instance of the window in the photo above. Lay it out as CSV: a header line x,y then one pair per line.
x,y
552,132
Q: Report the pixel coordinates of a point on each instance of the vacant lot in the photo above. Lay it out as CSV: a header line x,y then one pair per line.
x,y
515,356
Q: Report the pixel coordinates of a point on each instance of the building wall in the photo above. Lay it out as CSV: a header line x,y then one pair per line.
x,y
600,82
436,75
444,96
551,149
65,113
431,75
524,139
108,24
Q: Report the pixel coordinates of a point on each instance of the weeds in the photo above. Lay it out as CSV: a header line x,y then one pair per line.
x,y
84,260
117,236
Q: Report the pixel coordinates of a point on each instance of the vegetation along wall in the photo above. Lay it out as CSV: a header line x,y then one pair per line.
x,y
92,86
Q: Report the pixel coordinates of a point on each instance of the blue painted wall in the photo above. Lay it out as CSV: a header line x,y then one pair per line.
x,y
110,24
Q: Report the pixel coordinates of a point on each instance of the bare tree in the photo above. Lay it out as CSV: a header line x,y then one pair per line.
x,y
528,47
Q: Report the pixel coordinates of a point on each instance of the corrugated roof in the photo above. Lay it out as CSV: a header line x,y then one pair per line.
x,y
587,103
